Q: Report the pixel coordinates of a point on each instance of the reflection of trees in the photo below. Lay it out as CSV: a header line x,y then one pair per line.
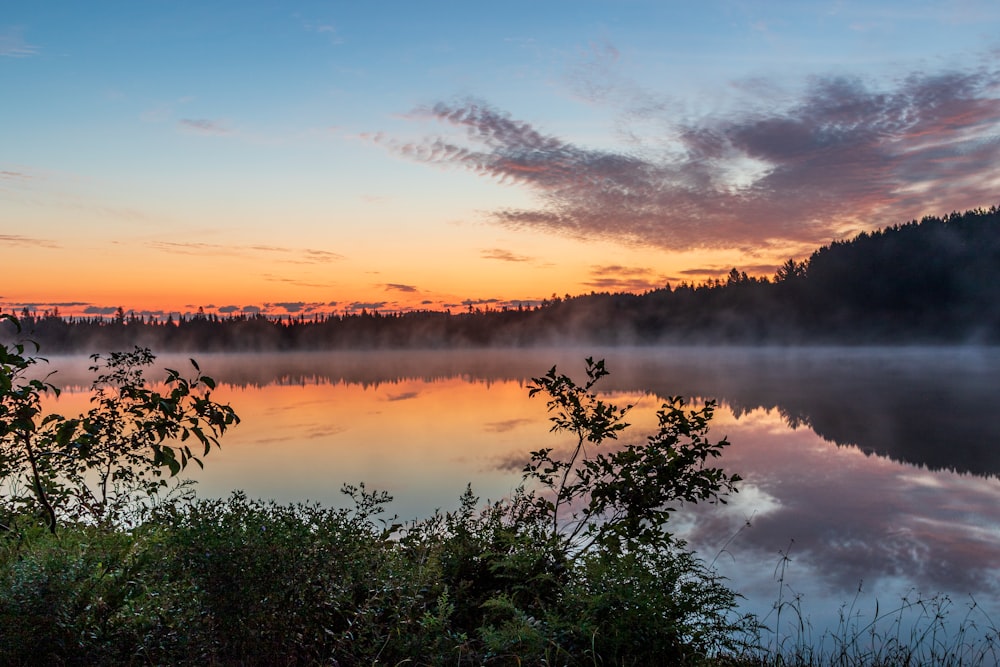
x,y
927,406
932,406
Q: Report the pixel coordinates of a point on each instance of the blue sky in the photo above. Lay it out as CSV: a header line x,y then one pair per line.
x,y
165,155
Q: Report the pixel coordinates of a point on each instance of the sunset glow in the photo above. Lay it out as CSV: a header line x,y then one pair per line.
x,y
308,157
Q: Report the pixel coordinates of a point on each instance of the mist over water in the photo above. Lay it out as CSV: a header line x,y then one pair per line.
x,y
868,467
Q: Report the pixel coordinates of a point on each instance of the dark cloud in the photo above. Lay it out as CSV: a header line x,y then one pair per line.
x,y
100,310
399,287
370,305
18,240
252,309
618,278
479,302
842,156
720,270
289,306
203,126
48,304
503,255
228,309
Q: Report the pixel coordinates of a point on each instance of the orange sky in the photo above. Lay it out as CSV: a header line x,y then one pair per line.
x,y
303,157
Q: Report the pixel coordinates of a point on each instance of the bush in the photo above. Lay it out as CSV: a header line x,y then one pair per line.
x,y
100,466
242,581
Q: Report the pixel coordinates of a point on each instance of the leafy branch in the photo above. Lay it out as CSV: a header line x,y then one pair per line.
x,y
623,497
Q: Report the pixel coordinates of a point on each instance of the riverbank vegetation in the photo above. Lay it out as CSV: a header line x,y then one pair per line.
x,y
105,559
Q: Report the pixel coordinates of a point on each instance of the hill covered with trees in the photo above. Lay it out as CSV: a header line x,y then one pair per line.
x,y
936,280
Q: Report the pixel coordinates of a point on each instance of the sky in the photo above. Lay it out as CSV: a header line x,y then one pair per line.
x,y
304,157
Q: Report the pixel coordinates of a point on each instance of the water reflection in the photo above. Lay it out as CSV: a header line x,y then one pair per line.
x,y
871,465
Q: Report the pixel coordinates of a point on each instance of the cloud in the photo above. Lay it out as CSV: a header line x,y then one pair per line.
x,y
289,306
252,309
839,157
228,309
100,310
617,278
18,240
13,45
720,270
293,281
399,288
479,302
203,126
13,176
503,255
321,256
286,255
34,305
330,31
369,305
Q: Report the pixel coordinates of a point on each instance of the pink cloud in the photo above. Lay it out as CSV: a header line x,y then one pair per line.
x,y
841,157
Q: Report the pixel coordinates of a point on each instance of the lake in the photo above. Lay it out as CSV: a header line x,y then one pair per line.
x,y
874,471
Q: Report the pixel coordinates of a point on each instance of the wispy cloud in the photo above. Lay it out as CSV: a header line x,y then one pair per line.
x,y
719,270
13,44
27,241
618,278
399,287
7,175
203,126
297,282
288,255
503,255
328,30
840,156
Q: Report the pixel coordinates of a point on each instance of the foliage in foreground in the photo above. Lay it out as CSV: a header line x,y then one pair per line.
x,y
243,581
248,582
101,466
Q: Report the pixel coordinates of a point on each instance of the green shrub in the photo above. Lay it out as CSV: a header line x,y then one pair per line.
x,y
249,582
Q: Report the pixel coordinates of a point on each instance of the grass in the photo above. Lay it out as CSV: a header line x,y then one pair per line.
x,y
917,630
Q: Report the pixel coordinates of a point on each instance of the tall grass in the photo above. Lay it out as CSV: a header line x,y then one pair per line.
x,y
916,630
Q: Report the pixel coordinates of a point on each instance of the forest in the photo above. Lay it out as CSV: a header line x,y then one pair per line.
x,y
932,281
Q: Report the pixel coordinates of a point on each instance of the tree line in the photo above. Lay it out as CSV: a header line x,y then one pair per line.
x,y
936,280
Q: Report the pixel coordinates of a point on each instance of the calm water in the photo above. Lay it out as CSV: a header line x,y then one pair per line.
x,y
870,469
